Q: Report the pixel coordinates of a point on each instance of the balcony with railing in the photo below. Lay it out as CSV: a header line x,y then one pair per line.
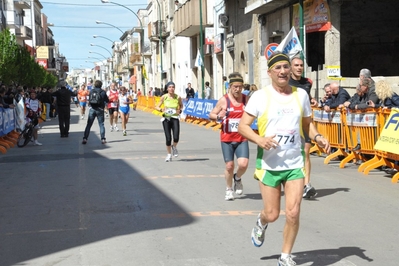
x,y
157,29
21,4
24,33
186,21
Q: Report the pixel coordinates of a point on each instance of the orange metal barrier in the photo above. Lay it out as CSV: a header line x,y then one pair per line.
x,y
382,158
331,126
346,129
361,127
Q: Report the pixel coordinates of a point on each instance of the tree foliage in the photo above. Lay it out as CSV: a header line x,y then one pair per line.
x,y
18,67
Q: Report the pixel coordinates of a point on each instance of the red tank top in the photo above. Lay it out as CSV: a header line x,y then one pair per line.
x,y
229,132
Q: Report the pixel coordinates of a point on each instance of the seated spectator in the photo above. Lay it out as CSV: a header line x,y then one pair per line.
x,y
365,92
338,96
327,95
386,96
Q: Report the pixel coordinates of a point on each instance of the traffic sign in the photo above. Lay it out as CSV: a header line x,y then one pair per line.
x,y
270,48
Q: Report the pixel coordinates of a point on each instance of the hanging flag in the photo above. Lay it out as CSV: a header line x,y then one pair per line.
x,y
144,72
198,60
291,45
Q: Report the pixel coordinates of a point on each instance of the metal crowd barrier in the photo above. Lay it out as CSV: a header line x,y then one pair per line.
x,y
8,135
345,129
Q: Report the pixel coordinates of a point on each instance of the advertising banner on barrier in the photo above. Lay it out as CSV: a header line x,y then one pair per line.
x,y
389,138
7,121
199,108
330,117
362,120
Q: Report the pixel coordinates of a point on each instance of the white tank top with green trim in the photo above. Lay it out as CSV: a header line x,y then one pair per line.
x,y
280,115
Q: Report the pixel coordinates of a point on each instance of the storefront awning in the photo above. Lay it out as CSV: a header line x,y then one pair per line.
x,y
264,6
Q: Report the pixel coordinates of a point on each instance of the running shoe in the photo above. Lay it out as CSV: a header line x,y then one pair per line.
x,y
116,128
229,194
168,158
238,187
175,151
124,133
258,233
286,262
37,143
83,117
309,192
112,128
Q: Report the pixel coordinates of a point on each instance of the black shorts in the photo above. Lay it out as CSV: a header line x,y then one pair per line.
x,y
112,110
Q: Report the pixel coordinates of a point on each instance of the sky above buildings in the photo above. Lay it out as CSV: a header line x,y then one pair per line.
x,y
75,24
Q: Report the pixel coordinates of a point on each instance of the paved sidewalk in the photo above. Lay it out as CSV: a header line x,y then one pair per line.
x,y
65,203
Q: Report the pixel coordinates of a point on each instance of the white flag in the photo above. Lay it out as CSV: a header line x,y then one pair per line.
x,y
290,45
198,59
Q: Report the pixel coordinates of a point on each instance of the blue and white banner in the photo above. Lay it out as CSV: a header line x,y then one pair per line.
x,y
7,121
199,108
291,45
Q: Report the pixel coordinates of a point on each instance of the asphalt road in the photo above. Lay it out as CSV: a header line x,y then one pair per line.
x,y
70,204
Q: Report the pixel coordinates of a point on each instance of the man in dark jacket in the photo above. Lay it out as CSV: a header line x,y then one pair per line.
x,y
96,110
338,96
365,92
63,96
189,91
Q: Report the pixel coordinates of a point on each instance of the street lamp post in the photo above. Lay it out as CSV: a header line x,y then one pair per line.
x,y
141,38
99,54
160,37
99,59
128,43
92,44
112,59
98,36
202,51
101,22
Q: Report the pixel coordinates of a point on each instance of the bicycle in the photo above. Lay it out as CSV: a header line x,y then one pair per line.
x,y
26,135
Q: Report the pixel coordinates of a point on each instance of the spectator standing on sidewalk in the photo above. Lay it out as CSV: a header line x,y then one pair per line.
x,y
34,105
298,81
230,109
97,100
208,91
47,99
338,96
283,114
190,93
63,97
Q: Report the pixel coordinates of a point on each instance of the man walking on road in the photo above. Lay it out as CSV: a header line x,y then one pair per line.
x,y
298,81
281,110
97,100
63,97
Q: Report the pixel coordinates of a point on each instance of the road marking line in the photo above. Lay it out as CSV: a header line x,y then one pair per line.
x,y
211,213
180,176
